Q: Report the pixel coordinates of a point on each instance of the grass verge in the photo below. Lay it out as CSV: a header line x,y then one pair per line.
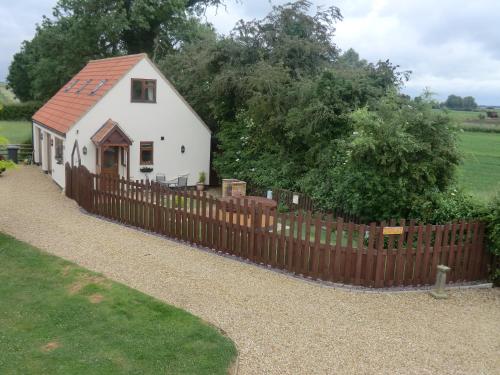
x,y
58,318
16,131
480,172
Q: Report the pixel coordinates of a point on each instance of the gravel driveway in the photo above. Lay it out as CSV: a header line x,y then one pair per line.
x,y
280,325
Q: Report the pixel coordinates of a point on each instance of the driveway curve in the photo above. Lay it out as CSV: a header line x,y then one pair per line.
x,y
280,324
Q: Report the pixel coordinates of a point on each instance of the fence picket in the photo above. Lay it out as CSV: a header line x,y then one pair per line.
x,y
380,258
400,257
359,254
315,252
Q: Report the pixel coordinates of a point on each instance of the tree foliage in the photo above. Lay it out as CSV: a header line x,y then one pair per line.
x,y
81,30
400,157
467,103
291,110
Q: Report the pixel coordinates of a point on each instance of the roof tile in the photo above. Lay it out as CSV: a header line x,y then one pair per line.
x,y
64,109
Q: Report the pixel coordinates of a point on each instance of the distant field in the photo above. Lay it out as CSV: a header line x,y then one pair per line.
x,y
471,121
480,172
16,131
6,96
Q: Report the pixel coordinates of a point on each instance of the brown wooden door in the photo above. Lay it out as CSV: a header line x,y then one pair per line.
x,y
109,166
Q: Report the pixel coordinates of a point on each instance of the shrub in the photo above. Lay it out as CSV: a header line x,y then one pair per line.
x,y
443,207
492,218
5,164
399,153
19,111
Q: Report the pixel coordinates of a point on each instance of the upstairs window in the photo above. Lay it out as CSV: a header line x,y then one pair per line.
x,y
84,84
143,90
146,153
71,85
99,85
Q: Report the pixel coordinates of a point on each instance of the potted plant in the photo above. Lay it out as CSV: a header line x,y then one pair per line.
x,y
200,185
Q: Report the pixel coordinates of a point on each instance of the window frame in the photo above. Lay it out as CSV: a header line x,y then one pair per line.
x,y
143,93
142,145
123,160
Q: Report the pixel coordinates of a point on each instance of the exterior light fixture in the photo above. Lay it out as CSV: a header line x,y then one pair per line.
x,y
84,150
183,149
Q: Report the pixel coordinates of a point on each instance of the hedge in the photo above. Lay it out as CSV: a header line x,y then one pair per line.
x,y
19,111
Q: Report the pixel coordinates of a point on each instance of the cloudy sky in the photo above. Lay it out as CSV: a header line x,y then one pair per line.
x,y
452,46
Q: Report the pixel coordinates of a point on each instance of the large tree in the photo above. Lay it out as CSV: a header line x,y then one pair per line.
x,y
80,30
290,110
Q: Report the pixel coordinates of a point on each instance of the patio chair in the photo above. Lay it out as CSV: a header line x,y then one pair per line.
x,y
161,179
179,182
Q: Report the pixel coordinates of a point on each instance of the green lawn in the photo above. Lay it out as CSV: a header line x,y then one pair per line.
x,y
58,318
16,131
480,173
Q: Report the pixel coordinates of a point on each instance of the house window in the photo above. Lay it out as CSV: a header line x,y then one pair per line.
x,y
71,85
58,145
143,90
146,153
84,84
98,86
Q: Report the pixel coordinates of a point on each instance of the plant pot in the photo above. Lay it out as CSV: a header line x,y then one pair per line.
x,y
200,186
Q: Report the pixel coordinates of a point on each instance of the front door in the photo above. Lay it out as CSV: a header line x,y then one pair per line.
x,y
109,165
110,161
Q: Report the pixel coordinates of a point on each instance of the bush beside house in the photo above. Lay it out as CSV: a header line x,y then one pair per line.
x,y
19,111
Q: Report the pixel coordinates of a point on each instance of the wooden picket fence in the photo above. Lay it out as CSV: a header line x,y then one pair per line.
x,y
317,247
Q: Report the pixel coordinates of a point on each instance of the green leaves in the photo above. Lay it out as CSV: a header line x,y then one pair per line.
x,y
82,30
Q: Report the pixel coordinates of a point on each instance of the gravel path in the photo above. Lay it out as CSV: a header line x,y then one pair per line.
x,y
280,325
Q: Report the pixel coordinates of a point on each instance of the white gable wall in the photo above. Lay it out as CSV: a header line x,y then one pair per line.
x,y
169,117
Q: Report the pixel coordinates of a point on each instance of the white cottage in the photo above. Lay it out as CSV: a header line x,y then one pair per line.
x,y
118,116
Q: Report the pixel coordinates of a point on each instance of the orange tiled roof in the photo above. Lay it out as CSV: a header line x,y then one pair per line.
x,y
66,107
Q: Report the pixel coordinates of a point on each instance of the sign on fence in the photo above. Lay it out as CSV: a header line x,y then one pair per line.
x,y
393,230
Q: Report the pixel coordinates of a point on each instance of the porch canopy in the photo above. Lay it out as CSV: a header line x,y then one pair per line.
x,y
110,141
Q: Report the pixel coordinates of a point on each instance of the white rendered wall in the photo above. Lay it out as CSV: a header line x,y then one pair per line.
x,y
169,117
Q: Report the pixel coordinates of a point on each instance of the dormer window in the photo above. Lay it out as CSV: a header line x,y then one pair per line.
x,y
84,84
143,90
71,85
99,85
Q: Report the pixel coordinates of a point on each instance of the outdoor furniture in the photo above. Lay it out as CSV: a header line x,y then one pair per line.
x,y
161,179
179,182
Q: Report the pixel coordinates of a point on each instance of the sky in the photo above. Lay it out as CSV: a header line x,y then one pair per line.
x,y
451,46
